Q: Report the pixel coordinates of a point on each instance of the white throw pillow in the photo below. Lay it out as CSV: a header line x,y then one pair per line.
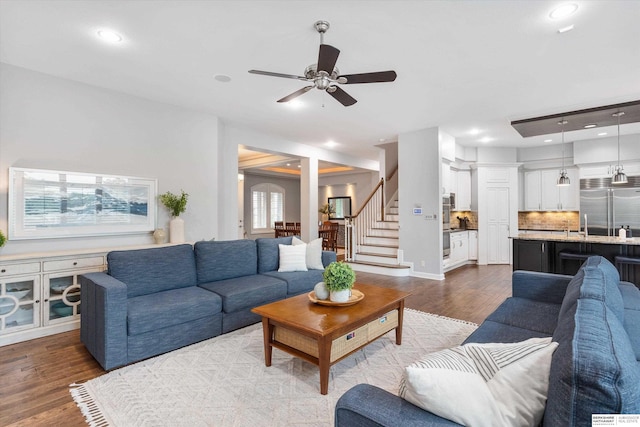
x,y
483,384
293,258
314,253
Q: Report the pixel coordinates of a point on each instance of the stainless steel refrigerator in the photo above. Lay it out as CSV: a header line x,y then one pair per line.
x,y
608,206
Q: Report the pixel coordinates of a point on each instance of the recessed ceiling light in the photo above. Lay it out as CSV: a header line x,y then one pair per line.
x,y
485,139
288,164
602,134
474,131
565,29
331,144
548,140
222,78
590,126
109,36
563,11
299,166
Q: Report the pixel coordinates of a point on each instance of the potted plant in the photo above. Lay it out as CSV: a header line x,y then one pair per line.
x,y
176,205
3,239
339,278
327,210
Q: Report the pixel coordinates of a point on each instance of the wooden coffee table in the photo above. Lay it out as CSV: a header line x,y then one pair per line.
x,y
324,335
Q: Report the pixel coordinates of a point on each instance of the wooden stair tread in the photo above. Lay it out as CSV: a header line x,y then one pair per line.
x,y
375,254
377,264
377,245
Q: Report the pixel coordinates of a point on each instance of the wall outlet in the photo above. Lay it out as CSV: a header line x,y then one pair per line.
x,y
423,263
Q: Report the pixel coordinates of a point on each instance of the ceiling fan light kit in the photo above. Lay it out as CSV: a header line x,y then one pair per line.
x,y
325,75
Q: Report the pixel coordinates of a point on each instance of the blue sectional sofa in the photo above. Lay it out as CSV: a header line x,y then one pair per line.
x,y
595,369
151,301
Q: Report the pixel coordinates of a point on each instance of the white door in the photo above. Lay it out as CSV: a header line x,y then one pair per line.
x,y
499,248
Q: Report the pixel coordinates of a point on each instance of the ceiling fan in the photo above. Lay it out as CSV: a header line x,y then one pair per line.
x,y
325,75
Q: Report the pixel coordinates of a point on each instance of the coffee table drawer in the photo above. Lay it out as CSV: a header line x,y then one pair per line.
x,y
382,325
339,347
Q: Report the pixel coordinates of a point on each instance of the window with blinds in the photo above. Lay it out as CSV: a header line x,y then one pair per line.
x,y
59,204
267,207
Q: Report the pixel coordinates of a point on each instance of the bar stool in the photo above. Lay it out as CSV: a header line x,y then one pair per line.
x,y
572,256
622,265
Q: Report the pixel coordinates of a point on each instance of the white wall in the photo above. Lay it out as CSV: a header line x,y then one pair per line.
x,y
605,150
356,185
52,123
496,155
420,185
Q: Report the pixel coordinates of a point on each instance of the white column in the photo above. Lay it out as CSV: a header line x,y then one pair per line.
x,y
309,198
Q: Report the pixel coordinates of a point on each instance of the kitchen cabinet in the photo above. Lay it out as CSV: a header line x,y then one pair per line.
x,y
532,191
531,255
40,294
473,245
459,250
463,190
564,255
446,179
542,193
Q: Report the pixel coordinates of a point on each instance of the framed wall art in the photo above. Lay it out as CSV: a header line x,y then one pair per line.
x,y
49,204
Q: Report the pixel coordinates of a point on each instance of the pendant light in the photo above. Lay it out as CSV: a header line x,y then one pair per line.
x,y
619,176
563,179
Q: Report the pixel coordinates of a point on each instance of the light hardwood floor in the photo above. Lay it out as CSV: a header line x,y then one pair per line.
x,y
35,375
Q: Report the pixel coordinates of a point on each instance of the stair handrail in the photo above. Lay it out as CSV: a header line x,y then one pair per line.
x,y
366,202
358,226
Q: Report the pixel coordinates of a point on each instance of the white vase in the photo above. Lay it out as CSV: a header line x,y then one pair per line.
x,y
340,296
176,230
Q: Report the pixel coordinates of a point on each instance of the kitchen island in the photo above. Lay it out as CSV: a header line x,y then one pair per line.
x,y
562,254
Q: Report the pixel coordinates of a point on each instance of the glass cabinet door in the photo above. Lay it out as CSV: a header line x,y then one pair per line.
x,y
62,297
19,302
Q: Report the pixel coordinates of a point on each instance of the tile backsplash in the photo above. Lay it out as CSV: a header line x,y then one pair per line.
x,y
472,216
552,221
549,220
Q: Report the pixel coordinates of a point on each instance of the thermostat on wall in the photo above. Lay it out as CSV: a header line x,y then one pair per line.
x,y
417,211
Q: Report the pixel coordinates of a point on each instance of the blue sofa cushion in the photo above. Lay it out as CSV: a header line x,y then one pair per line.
x,y
491,331
527,314
225,259
247,292
147,271
269,252
594,370
298,282
596,279
631,298
168,308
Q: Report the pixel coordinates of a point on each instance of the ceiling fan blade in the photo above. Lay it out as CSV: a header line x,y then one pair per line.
x,y
327,58
296,94
377,77
341,96
269,73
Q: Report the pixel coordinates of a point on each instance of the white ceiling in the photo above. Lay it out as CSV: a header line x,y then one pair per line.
x,y
461,64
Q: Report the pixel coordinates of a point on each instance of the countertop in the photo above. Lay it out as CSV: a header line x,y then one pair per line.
x,y
635,241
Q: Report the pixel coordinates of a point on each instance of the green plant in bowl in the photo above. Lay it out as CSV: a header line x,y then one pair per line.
x,y
2,239
339,276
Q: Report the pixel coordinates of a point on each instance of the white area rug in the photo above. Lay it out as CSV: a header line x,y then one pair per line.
x,y
224,382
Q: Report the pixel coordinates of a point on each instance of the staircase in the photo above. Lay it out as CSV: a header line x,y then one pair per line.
x,y
374,244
